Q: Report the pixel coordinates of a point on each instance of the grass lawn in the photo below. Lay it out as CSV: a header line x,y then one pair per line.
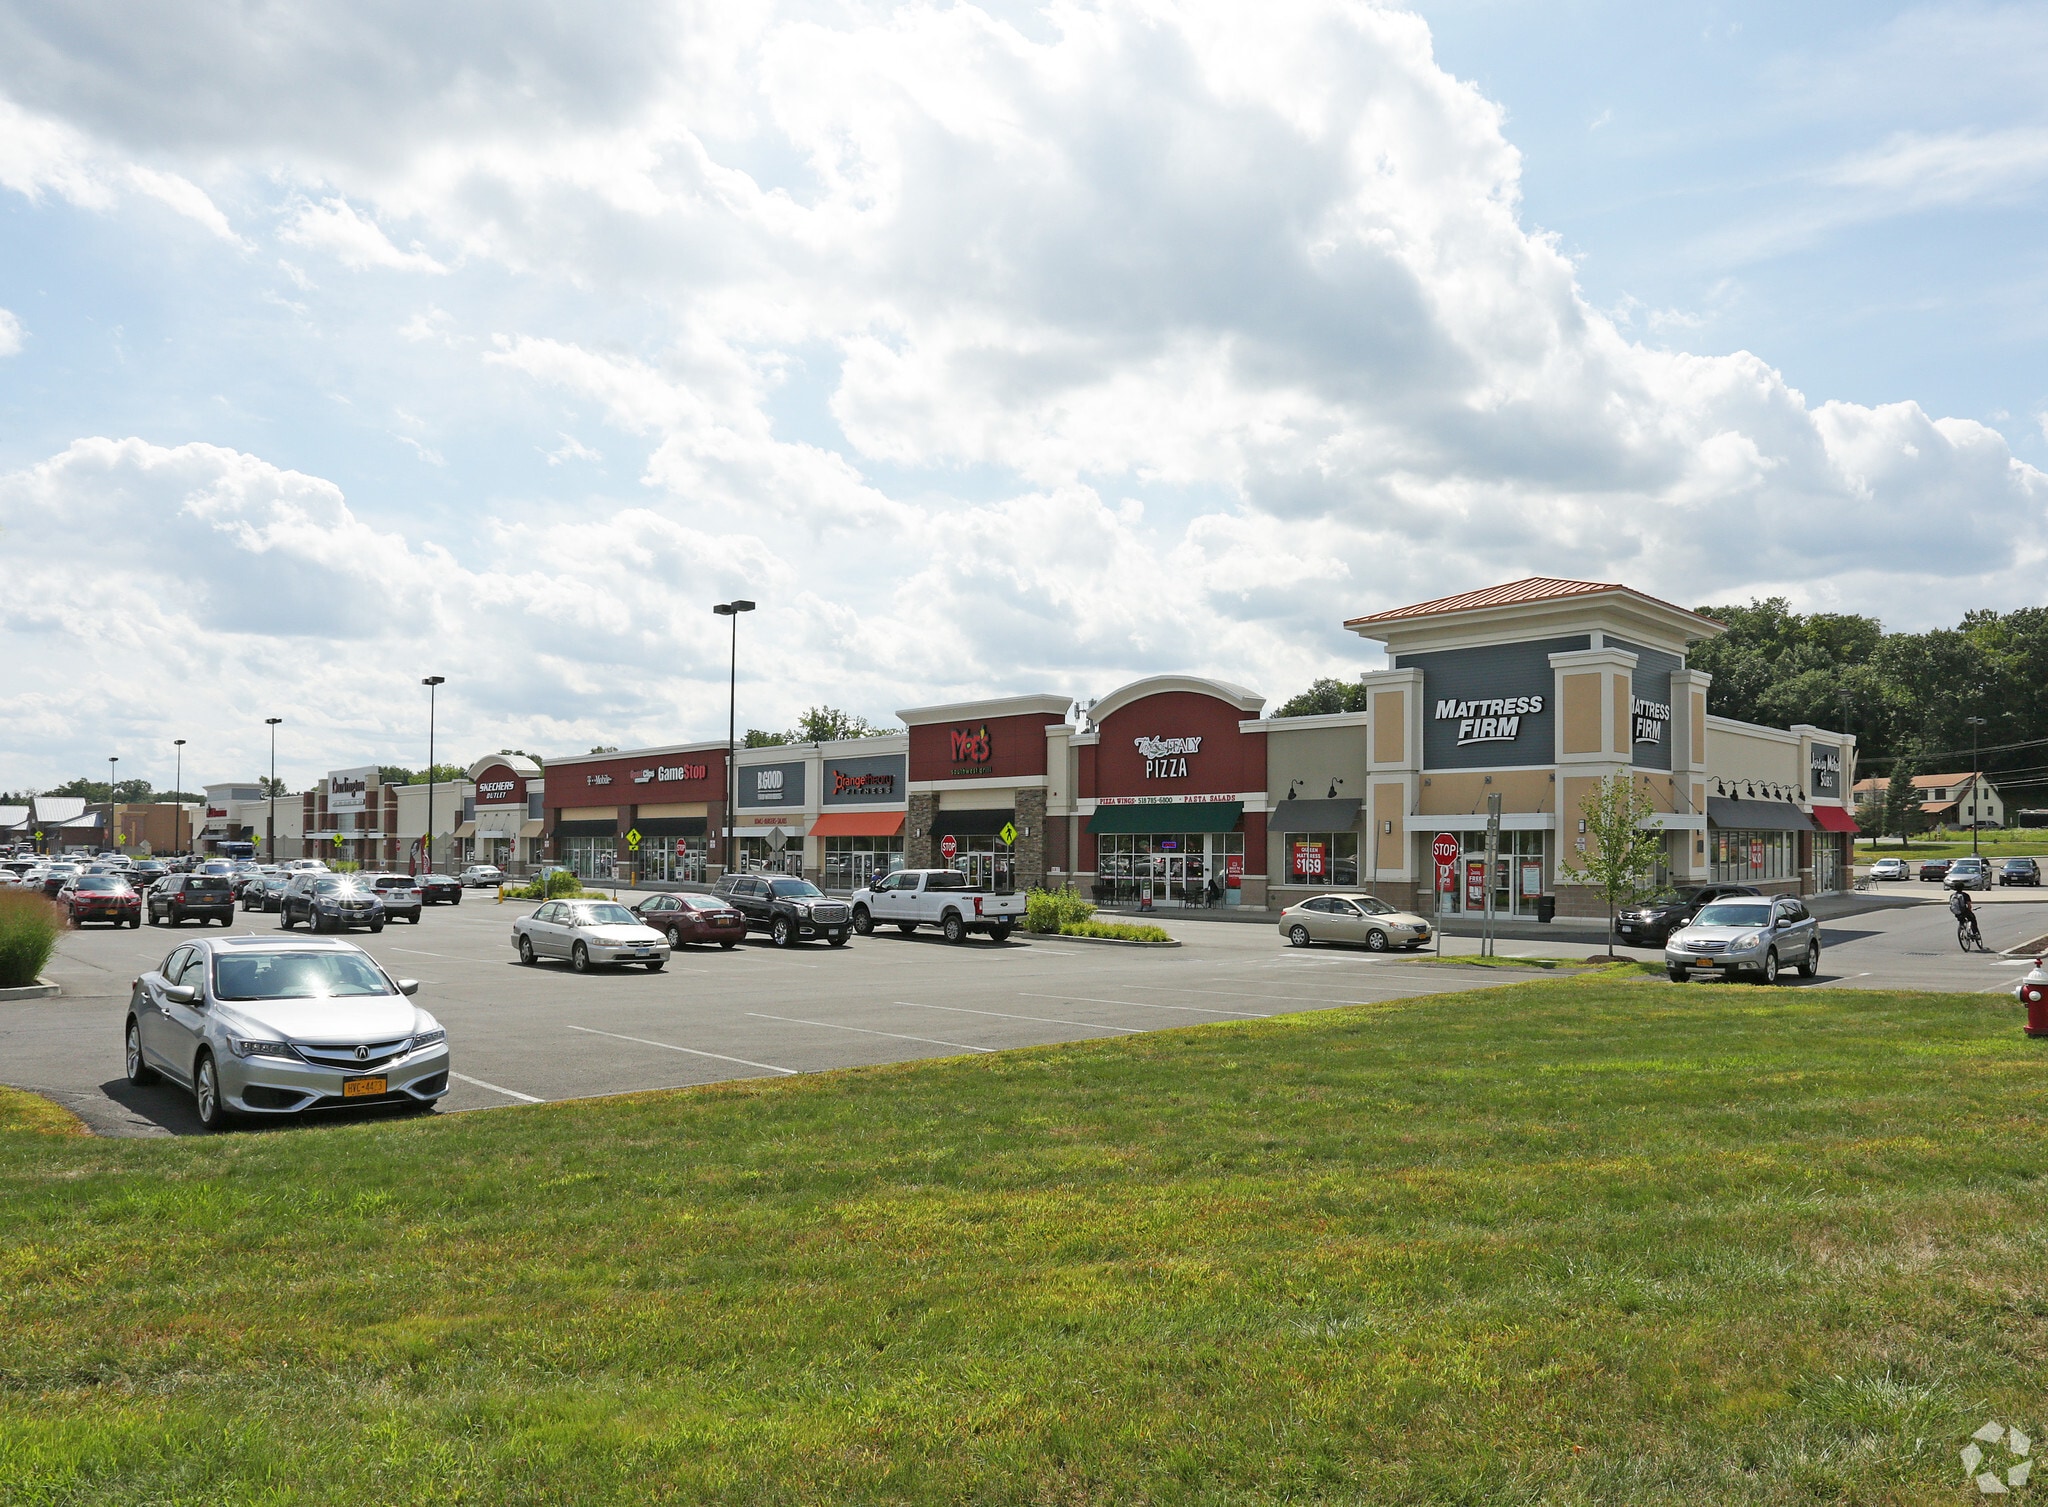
x,y
2009,842
1593,1239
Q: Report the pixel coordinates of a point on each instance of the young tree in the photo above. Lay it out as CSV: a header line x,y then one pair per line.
x,y
1901,800
1622,852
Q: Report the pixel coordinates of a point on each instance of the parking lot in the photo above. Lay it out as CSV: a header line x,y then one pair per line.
x,y
526,1035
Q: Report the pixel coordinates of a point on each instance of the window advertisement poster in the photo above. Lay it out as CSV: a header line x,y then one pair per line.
x,y
1532,878
1233,871
1308,861
1475,882
1756,854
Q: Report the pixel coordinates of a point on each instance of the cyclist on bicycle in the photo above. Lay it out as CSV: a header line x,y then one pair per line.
x,y
1964,909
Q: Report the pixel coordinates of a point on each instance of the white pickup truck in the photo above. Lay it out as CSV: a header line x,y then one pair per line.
x,y
945,898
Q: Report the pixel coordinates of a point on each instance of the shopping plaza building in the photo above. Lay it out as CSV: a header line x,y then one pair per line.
x,y
1178,790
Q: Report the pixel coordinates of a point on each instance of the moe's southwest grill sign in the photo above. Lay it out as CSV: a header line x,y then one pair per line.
x,y
974,751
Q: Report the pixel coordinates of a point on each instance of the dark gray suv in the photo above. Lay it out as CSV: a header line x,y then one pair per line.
x,y
327,902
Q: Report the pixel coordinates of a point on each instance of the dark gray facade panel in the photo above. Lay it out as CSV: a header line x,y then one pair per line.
x,y
1652,683
1492,672
871,780
772,786
1824,771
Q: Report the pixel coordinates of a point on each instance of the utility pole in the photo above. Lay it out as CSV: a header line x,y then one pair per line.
x,y
272,722
1976,784
432,683
732,610
178,799
112,760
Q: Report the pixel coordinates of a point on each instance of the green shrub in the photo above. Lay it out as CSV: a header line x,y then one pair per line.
x,y
29,928
1047,911
559,885
1116,930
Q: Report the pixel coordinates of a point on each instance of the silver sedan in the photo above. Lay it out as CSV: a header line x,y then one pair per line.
x,y
1756,937
1362,920
587,933
276,1025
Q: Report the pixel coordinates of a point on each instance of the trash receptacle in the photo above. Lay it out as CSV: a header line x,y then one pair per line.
x,y
1546,908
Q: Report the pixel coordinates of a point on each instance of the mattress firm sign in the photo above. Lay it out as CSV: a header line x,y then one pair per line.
x,y
1649,704
772,784
1489,719
1490,706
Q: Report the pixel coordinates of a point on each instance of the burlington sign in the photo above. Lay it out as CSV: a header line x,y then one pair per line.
x,y
1498,720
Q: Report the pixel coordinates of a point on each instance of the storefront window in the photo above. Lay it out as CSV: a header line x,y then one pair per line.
x,y
1745,857
1173,868
757,857
1518,879
658,860
590,857
850,862
1329,859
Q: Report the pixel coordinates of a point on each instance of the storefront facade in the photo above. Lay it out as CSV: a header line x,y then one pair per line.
x,y
981,774
504,814
657,813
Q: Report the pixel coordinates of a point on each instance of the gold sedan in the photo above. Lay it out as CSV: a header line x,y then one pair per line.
x,y
1361,920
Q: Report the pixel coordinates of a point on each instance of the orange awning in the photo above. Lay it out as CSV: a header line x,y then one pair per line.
x,y
859,824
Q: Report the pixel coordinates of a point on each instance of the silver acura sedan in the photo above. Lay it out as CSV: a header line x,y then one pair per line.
x,y
589,932
276,1025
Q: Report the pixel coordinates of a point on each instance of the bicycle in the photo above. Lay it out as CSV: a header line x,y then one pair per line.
x,y
1968,937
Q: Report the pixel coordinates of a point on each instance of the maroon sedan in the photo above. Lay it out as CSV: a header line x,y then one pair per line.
x,y
693,918
100,897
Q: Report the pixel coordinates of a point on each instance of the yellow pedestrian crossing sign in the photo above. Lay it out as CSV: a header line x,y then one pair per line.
x,y
633,839
1008,834
337,839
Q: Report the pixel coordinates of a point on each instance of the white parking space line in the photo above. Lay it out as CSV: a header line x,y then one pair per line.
x,y
510,1093
668,1046
1139,1004
826,1025
1298,999
1044,1020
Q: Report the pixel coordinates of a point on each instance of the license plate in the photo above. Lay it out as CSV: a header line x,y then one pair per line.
x,y
1705,963
362,1088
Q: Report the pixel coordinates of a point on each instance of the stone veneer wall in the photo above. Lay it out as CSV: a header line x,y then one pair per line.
x,y
1028,857
917,830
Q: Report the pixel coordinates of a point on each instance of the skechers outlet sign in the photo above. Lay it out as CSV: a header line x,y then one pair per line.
x,y
1491,720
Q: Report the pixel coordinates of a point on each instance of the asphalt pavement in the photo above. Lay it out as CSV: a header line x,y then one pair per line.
x,y
527,1035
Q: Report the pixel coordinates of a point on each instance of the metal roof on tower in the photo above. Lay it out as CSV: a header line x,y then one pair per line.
x,y
1530,590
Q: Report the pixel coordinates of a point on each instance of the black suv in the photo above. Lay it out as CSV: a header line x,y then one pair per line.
x,y
191,897
323,900
1650,923
787,909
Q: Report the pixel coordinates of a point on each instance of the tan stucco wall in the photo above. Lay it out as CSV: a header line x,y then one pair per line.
x,y
1570,792
1624,724
1699,730
1579,717
1456,792
1313,757
1388,806
1389,726
1736,755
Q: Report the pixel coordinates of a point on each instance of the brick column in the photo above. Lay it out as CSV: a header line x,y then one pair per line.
x,y
1029,853
917,831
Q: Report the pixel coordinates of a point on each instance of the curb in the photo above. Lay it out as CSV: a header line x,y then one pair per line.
x,y
1053,936
2032,949
41,989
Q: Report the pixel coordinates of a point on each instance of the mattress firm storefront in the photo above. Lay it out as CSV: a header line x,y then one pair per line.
x,y
1534,693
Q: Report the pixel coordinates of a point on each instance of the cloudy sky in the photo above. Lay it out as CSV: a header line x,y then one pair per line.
x,y
989,348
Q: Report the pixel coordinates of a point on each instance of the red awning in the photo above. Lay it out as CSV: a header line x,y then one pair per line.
x,y
1833,819
859,824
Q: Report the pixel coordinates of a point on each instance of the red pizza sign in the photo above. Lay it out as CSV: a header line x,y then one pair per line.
x,y
948,846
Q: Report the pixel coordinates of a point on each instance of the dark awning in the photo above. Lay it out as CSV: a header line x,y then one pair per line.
x,y
587,829
986,822
1192,816
1314,816
671,826
1756,816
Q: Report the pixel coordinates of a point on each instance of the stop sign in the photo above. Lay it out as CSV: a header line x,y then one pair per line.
x,y
1445,848
948,846
682,847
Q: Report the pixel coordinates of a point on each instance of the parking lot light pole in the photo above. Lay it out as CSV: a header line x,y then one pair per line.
x,y
732,610
112,760
271,841
432,682
1976,785
178,799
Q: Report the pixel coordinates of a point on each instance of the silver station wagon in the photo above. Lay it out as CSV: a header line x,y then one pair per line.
x,y
1748,936
278,1025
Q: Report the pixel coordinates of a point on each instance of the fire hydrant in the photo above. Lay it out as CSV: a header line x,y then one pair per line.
x,y
2033,993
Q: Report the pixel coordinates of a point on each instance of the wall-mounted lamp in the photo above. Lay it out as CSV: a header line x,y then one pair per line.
x,y
1582,826
1387,829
